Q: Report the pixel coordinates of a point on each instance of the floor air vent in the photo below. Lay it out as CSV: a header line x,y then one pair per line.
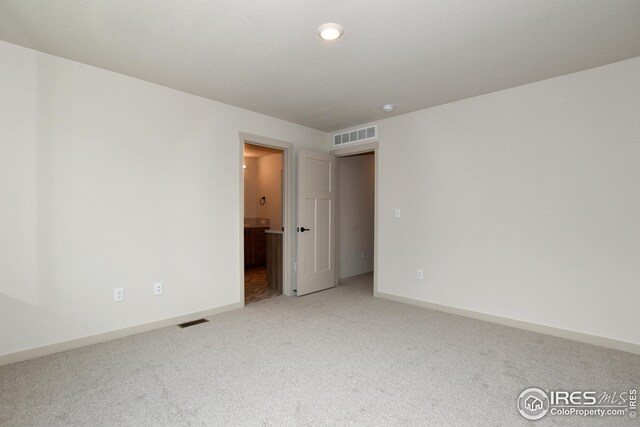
x,y
355,135
192,323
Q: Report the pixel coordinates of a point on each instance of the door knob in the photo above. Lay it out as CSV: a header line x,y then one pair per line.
x,y
302,229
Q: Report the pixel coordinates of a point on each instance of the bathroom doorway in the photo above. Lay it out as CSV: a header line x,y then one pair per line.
x,y
263,170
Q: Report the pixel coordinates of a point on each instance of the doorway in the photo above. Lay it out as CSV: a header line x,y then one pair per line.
x,y
262,221
288,220
357,214
289,234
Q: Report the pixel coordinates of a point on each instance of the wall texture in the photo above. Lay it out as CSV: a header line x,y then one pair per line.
x,y
355,214
251,189
108,181
263,178
270,186
523,203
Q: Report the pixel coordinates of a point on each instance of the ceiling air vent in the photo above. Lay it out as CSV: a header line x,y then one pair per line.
x,y
355,135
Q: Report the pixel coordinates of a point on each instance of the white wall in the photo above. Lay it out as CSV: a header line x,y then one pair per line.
x,y
270,186
355,214
263,178
108,181
251,187
523,203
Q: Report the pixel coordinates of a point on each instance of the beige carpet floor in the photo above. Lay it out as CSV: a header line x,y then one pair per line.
x,y
337,357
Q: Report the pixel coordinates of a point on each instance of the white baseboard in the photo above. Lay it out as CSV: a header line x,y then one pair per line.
x,y
32,353
533,327
354,277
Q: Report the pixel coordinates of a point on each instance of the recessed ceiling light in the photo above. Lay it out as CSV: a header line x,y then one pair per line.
x,y
387,108
330,31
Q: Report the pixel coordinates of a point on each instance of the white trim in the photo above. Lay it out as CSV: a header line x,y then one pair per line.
x,y
520,324
241,210
46,350
368,147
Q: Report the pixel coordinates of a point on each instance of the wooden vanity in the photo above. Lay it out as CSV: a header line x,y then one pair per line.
x,y
274,259
255,246
263,247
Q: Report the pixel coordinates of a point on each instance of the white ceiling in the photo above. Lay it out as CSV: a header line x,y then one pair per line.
x,y
265,56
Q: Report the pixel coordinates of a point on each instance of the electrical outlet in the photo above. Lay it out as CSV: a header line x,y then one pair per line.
x,y
419,274
118,294
157,288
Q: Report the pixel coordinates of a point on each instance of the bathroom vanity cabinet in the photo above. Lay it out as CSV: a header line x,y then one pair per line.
x,y
255,246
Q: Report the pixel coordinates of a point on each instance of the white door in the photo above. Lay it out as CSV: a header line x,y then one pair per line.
x,y
316,222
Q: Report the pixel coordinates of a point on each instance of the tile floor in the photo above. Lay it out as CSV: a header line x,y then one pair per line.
x,y
256,287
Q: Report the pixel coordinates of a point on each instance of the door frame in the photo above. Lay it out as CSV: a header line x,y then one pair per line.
x,y
288,217
369,147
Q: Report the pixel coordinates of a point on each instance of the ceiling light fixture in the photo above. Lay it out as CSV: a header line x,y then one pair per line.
x,y
330,31
387,108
